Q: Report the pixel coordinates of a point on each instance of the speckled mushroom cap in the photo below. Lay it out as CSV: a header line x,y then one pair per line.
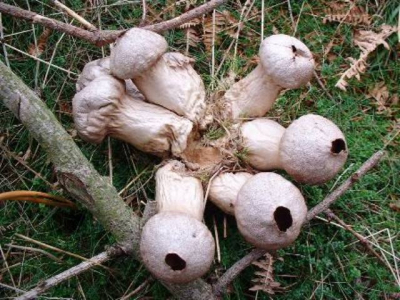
x,y
287,61
94,106
176,248
270,211
313,149
135,52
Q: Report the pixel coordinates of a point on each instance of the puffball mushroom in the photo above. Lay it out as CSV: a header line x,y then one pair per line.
x,y
103,108
175,245
285,63
312,149
225,188
166,79
101,67
270,211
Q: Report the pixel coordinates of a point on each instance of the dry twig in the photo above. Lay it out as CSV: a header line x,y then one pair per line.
x,y
74,271
104,37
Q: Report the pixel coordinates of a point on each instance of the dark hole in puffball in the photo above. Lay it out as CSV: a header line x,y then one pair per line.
x,y
338,146
175,262
294,49
283,218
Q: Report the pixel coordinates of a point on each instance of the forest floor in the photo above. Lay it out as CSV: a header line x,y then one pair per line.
x,y
326,262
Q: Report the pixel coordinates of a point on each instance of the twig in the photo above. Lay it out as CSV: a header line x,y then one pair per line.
x,y
22,162
34,250
138,289
6,264
362,239
74,271
105,37
11,288
74,15
28,239
332,197
220,287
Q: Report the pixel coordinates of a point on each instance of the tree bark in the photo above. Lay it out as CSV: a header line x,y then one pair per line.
x,y
74,171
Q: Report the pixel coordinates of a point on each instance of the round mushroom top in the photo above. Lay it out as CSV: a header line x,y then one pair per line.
x,y
92,70
270,211
313,149
135,52
95,105
287,61
176,248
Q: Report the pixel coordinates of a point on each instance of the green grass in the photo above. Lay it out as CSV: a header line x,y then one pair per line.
x,y
326,262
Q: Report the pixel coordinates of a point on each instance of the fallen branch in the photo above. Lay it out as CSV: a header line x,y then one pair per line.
x,y
74,171
332,197
104,37
79,178
74,271
235,270
362,239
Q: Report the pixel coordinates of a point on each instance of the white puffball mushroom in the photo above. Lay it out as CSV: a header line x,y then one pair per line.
x,y
166,79
103,108
175,245
224,190
135,52
261,138
285,63
313,149
174,84
101,67
270,211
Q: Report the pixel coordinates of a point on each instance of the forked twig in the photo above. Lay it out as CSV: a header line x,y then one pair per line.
x,y
104,37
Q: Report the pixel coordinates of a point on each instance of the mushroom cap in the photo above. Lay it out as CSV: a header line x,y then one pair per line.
x,y
270,211
261,138
92,70
176,248
225,188
313,149
94,106
135,52
287,61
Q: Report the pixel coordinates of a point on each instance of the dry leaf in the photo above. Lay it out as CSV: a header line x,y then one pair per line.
x,y
211,29
343,14
367,41
192,37
265,278
381,94
41,44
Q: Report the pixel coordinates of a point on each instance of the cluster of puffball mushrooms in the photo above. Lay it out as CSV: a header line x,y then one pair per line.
x,y
155,100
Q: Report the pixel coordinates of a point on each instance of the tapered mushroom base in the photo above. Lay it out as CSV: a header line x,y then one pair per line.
x,y
176,248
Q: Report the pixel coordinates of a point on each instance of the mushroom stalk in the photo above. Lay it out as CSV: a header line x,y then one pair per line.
x,y
252,96
103,108
178,192
175,245
285,63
